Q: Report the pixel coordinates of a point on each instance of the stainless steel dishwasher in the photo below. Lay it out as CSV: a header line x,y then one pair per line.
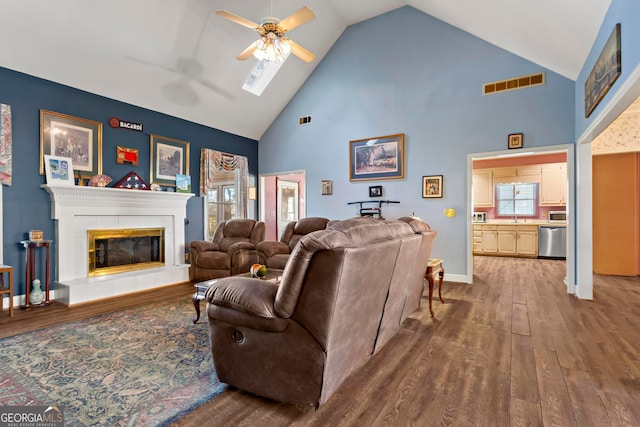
x,y
552,242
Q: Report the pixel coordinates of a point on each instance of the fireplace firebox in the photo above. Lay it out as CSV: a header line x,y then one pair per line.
x,y
118,250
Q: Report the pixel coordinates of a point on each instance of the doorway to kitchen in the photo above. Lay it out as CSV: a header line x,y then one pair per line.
x,y
281,200
481,192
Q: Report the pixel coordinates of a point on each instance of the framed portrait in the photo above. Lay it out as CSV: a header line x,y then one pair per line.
x,y
327,188
514,140
375,191
79,139
381,157
169,157
431,186
58,170
605,72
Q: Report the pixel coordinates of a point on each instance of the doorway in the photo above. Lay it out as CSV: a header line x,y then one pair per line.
x,y
567,150
281,197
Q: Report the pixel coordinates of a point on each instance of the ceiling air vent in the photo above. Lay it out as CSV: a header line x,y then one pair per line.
x,y
304,120
513,84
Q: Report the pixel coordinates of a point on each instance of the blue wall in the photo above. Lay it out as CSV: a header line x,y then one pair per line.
x,y
407,72
626,12
27,206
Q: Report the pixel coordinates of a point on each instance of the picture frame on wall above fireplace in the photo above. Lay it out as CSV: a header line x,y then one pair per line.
x,y
169,157
79,139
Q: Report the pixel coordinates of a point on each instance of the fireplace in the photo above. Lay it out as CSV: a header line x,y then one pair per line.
x,y
77,210
118,250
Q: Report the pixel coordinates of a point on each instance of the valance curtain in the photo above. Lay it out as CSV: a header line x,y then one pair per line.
x,y
213,163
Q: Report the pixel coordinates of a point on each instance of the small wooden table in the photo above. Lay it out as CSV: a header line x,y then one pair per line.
x,y
6,289
273,275
434,269
31,246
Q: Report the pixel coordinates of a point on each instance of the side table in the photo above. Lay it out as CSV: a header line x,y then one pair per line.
x,y
31,246
434,269
6,289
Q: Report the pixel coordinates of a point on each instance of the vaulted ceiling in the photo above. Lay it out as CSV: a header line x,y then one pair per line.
x,y
132,51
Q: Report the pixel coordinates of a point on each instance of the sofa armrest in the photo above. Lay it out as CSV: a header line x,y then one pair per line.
x,y
204,245
269,248
244,301
237,246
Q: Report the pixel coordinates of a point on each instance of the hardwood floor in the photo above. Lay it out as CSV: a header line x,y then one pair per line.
x,y
513,349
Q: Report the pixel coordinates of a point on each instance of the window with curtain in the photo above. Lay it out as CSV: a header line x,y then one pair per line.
x,y
223,183
517,199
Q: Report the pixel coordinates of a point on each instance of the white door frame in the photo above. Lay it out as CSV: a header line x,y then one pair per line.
x,y
628,92
571,255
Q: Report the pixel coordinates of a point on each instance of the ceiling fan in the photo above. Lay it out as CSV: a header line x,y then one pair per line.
x,y
273,46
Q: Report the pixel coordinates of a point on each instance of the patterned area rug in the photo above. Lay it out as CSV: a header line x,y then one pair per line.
x,y
143,366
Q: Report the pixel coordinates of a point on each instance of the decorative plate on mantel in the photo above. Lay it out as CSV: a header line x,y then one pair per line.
x,y
133,182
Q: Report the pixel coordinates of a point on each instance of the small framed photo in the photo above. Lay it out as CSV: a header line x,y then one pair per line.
x,y
431,186
327,188
375,191
183,183
59,170
126,155
515,140
169,157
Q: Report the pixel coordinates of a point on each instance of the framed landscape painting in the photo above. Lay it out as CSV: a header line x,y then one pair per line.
x,y
381,157
169,157
79,139
605,72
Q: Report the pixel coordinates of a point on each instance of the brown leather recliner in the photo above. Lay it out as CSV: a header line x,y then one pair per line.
x,y
276,254
343,294
231,251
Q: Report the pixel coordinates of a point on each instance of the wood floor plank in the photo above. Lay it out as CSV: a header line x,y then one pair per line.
x,y
511,349
520,319
554,396
525,414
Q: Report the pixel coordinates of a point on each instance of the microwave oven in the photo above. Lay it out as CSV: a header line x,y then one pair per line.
x,y
557,216
479,217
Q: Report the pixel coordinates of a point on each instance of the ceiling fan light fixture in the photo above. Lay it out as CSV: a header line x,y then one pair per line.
x,y
272,49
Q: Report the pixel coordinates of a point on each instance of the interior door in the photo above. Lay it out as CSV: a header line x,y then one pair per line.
x,y
287,204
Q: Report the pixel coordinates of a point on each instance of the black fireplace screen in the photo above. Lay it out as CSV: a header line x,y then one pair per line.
x,y
120,250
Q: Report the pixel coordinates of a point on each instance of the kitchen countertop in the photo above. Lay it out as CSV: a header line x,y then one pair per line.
x,y
522,221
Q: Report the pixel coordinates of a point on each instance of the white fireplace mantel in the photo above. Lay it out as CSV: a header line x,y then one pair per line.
x,y
78,209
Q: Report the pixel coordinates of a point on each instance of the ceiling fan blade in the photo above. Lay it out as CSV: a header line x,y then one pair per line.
x,y
214,88
297,18
237,19
301,52
245,54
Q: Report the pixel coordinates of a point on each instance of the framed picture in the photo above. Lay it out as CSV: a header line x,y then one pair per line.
x,y
605,72
327,188
431,186
126,155
169,157
514,140
183,183
59,170
375,191
381,157
79,139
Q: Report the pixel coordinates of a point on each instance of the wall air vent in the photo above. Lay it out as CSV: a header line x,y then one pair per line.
x,y
513,84
305,120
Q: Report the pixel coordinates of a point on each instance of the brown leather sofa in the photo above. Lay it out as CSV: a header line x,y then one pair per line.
x,y
342,297
231,251
275,254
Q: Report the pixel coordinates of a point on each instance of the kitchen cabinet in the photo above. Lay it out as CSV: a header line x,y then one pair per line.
x,y
527,240
553,184
482,185
506,240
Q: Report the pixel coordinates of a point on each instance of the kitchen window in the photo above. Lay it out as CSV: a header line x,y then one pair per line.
x,y
517,199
